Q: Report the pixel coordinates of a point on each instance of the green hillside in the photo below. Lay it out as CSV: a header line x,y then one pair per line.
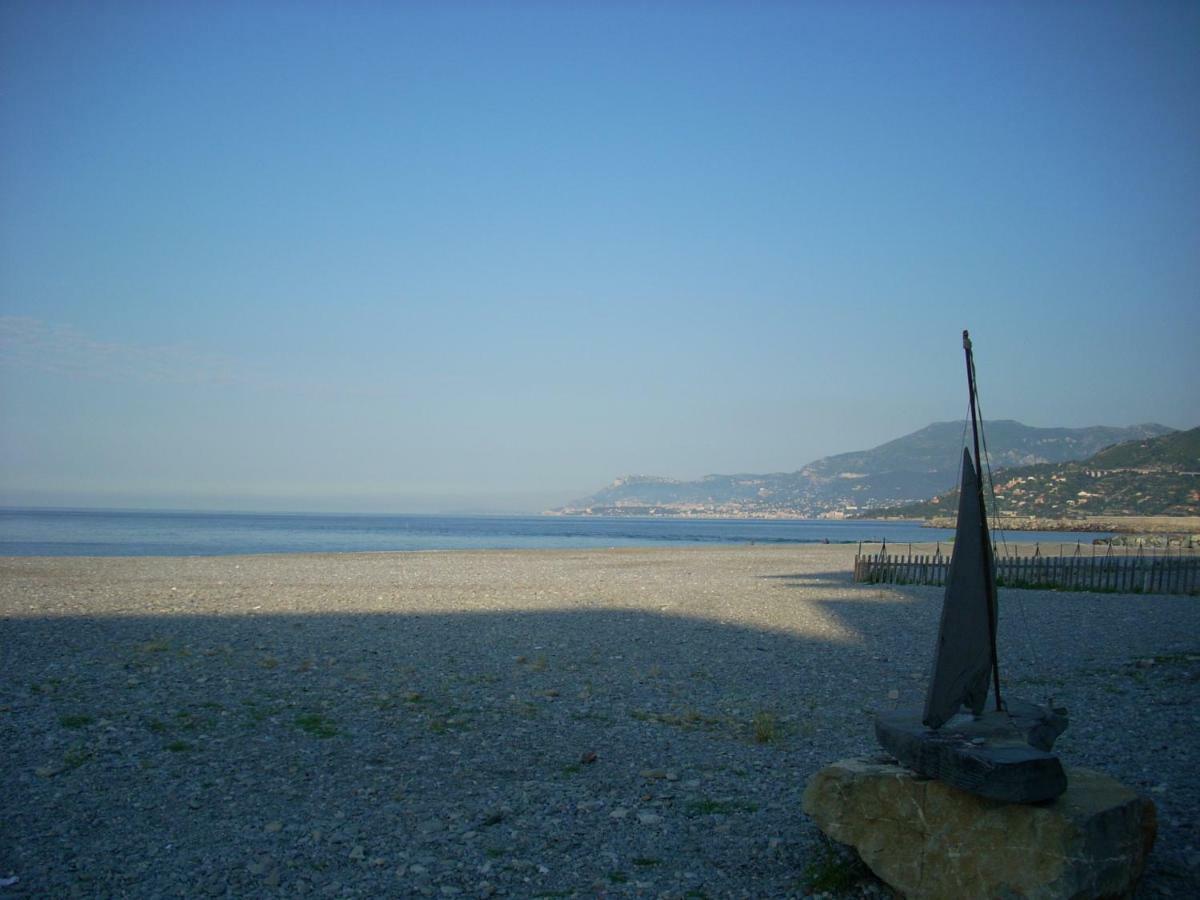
x,y
1179,451
1153,477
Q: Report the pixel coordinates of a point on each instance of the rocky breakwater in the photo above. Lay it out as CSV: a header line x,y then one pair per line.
x,y
929,840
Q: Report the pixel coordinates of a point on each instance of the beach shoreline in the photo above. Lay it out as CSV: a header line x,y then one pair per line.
x,y
634,721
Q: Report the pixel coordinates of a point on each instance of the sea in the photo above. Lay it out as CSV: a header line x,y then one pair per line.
x,y
101,532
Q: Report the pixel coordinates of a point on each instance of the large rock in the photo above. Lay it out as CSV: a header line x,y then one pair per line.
x,y
929,840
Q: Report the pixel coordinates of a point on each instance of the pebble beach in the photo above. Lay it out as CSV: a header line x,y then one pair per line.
x,y
558,723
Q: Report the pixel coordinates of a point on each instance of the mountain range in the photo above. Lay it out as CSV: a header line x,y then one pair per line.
x,y
1150,477
911,468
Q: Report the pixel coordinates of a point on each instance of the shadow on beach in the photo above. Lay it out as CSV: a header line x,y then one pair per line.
x,y
582,751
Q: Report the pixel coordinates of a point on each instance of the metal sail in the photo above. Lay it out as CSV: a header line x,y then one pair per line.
x,y
963,656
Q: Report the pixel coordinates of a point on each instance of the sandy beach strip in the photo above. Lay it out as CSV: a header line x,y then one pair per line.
x,y
570,723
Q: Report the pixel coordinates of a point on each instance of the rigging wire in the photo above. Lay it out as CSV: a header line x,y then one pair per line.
x,y
1026,631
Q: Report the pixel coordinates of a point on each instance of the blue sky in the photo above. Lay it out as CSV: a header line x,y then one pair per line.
x,y
430,257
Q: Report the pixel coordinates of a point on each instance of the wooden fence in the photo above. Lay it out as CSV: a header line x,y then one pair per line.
x,y
1132,574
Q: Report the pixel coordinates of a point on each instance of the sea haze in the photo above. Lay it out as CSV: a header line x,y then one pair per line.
x,y
44,532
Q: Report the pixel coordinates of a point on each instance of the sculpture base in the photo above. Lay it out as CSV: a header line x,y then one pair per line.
x,y
929,840
998,755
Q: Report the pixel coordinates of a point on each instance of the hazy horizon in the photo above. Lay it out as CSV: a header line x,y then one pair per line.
x,y
468,258
368,503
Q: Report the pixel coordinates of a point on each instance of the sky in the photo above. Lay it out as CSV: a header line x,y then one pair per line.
x,y
457,257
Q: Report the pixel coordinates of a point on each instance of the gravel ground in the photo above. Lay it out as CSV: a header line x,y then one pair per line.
x,y
541,723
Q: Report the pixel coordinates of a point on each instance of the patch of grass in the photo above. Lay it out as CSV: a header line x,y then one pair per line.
x,y
75,721
316,725
76,756
1162,658
269,662
257,714
192,723
451,719
687,719
484,678
155,645
493,852
707,807
180,746
593,716
572,769
764,727
527,709
157,727
617,877
834,870
646,862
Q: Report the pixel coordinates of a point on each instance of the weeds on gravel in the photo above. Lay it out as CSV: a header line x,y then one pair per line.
x,y
687,719
180,746
764,727
75,721
76,756
1162,658
257,714
527,709
450,722
484,678
155,645
316,725
593,716
707,807
835,869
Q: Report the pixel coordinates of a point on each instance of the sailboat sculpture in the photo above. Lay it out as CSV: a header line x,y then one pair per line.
x,y
1002,754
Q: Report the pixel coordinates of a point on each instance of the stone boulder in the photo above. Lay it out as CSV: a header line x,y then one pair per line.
x,y
929,840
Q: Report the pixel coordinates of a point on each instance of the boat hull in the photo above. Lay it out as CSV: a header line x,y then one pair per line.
x,y
986,755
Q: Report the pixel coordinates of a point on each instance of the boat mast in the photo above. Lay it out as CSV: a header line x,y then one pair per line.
x,y
989,574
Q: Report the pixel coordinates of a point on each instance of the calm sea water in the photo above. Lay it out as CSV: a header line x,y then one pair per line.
x,y
34,532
